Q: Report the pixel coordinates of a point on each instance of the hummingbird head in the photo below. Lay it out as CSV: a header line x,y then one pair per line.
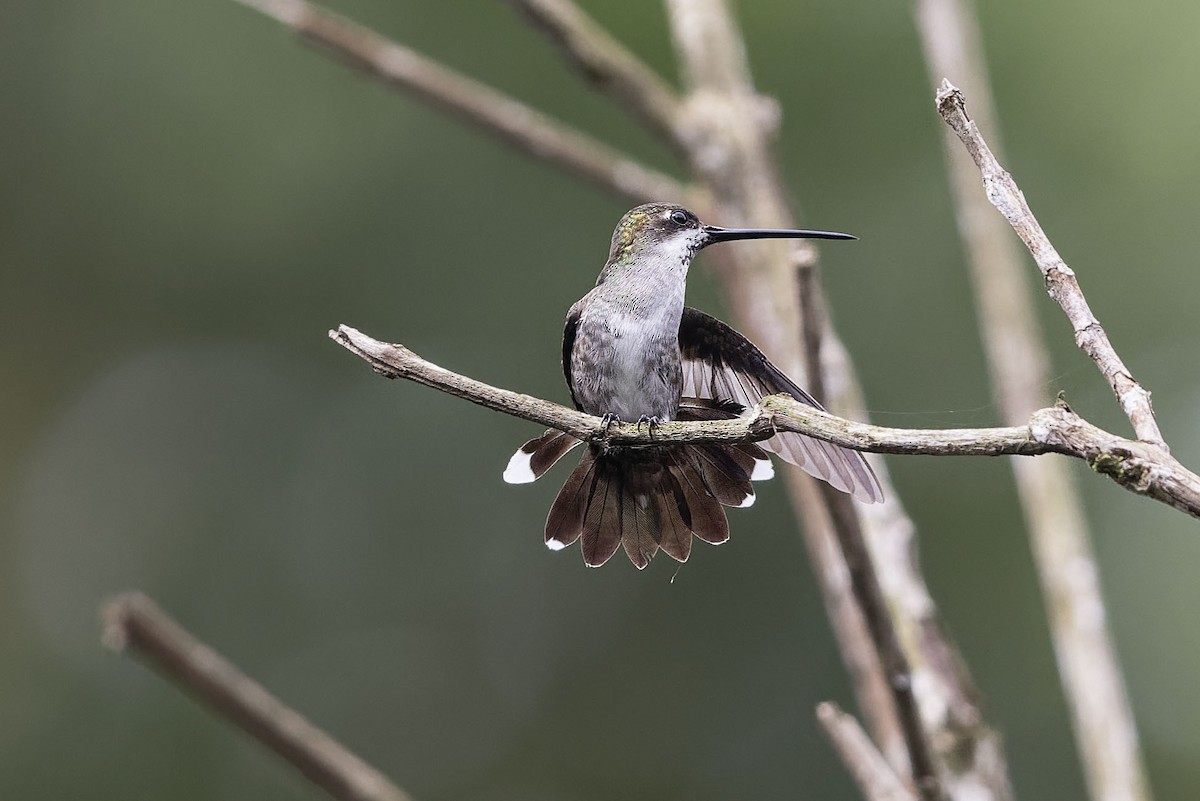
x,y
666,230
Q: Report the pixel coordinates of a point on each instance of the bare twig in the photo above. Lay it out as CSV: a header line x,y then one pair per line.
x,y
730,133
1138,466
1061,284
864,583
519,125
1091,676
132,622
874,776
812,324
609,65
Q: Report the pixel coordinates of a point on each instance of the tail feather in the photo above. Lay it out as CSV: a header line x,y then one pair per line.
x,y
564,524
538,455
602,524
674,533
753,459
639,519
724,477
644,485
758,468
644,500
701,511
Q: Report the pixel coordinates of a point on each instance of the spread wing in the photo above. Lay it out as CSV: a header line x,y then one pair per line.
x,y
721,364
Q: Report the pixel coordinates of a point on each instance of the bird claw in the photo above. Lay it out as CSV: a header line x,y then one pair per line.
x,y
607,420
651,422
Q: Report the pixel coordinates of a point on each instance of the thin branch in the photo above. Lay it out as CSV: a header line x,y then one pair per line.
x,y
132,622
812,323
609,65
731,128
1091,675
874,776
520,126
897,673
851,624
1140,467
1061,284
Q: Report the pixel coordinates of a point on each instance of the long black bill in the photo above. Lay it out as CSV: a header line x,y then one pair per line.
x,y
717,234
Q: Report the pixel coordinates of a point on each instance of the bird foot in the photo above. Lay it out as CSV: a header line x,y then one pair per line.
x,y
607,420
651,422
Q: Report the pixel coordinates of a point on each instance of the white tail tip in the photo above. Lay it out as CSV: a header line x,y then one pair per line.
x,y
518,470
763,470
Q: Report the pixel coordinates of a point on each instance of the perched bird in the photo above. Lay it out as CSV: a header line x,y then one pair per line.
x,y
633,352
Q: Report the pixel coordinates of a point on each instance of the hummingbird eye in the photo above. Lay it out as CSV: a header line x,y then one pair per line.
x,y
680,217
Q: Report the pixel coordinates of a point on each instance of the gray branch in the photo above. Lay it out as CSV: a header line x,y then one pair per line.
x,y
1061,284
607,63
1104,726
730,149
1140,467
874,776
526,129
134,623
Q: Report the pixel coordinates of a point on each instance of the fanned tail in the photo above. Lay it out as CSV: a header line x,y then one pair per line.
x,y
644,500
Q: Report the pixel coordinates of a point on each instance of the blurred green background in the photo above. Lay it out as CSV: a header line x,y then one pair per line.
x,y
189,199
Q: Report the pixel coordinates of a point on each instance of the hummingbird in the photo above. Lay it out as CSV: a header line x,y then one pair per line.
x,y
633,352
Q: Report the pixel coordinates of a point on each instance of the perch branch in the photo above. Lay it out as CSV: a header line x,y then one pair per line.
x,y
1140,467
874,776
515,123
1061,284
132,622
607,63
1089,670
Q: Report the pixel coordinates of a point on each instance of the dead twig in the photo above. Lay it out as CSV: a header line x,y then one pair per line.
x,y
730,138
1061,283
134,623
524,128
1104,726
609,65
874,776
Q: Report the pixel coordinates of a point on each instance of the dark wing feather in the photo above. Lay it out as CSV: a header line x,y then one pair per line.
x,y
569,328
720,363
